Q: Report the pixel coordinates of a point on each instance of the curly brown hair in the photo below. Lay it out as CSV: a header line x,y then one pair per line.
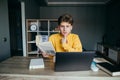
x,y
65,18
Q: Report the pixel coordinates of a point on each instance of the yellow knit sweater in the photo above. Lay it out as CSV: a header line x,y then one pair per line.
x,y
73,43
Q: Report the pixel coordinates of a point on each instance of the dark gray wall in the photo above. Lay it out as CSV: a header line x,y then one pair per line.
x,y
113,24
4,31
89,22
32,9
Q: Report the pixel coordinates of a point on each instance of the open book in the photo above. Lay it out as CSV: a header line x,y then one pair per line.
x,y
46,47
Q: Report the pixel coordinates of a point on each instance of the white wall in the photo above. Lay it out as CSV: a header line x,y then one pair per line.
x,y
89,22
4,31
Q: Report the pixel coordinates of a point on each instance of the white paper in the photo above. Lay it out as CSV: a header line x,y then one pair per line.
x,y
46,47
36,63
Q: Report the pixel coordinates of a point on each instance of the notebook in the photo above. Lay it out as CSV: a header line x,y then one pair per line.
x,y
113,70
73,61
36,63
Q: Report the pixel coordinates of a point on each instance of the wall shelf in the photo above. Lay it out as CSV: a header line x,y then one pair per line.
x,y
43,27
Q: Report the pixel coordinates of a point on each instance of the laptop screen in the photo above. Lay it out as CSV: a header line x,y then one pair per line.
x,y
73,61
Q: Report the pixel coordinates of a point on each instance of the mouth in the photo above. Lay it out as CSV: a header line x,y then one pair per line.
x,y
64,32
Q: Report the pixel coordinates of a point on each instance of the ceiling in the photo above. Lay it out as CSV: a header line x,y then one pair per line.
x,y
72,2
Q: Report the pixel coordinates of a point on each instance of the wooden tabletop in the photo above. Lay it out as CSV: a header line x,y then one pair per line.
x,y
18,67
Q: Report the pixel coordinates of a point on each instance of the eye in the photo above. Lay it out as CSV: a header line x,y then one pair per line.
x,y
62,26
67,26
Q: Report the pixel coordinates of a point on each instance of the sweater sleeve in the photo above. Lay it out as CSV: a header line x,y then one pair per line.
x,y
76,47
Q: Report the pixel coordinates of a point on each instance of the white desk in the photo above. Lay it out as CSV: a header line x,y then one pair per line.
x,y
17,68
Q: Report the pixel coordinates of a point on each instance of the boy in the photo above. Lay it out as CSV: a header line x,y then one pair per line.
x,y
65,41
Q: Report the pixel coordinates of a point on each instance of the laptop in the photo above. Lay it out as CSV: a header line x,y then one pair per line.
x,y
73,61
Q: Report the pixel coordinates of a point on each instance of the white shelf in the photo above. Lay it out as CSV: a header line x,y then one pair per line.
x,y
44,28
31,42
33,52
31,31
42,31
53,31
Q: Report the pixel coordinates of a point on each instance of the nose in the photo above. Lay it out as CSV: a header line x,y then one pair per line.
x,y
65,28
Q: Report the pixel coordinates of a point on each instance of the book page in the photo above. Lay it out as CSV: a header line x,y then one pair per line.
x,y
46,47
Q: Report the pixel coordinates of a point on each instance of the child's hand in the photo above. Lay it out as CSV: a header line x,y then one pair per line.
x,y
45,55
64,39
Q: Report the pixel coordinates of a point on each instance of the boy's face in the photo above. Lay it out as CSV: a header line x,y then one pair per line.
x,y
65,28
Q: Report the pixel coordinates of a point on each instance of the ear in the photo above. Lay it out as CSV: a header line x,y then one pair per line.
x,y
58,27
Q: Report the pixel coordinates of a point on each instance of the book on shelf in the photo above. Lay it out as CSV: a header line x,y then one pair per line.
x,y
36,63
113,70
